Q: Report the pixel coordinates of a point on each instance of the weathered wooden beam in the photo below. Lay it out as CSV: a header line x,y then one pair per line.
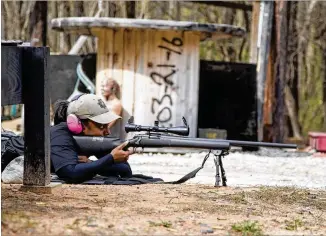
x,y
86,25
36,97
228,4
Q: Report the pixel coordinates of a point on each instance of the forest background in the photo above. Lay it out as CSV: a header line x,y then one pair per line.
x,y
305,88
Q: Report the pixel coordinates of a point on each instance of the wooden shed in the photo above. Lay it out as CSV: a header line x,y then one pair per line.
x,y
156,63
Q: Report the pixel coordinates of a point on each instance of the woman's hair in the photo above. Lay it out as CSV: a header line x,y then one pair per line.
x,y
60,111
115,86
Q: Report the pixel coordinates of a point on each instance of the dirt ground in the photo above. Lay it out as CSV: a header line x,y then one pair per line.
x,y
186,209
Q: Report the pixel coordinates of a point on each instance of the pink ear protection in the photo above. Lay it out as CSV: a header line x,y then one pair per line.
x,y
73,122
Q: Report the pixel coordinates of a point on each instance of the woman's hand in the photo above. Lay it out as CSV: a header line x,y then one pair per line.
x,y
83,159
119,155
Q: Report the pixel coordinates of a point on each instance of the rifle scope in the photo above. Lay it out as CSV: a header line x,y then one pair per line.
x,y
179,130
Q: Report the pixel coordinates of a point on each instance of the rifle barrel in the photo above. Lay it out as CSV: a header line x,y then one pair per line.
x,y
144,141
260,144
237,143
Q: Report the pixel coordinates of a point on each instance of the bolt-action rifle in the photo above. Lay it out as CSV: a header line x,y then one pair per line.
x,y
162,137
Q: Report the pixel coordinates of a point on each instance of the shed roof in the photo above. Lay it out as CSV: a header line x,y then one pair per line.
x,y
83,25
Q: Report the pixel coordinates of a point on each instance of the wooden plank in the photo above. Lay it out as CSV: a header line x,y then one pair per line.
x,y
118,56
190,82
173,41
141,104
194,84
36,96
101,58
181,81
159,101
104,58
187,74
83,25
128,80
109,51
146,82
138,53
11,73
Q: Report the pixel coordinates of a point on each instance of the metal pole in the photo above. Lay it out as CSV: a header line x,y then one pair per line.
x,y
264,43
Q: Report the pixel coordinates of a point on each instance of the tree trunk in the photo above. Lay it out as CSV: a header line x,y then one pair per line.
x,y
292,112
112,9
38,24
131,9
143,11
178,11
3,23
324,83
280,69
292,73
303,22
254,31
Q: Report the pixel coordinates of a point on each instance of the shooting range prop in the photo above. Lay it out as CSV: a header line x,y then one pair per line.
x,y
156,63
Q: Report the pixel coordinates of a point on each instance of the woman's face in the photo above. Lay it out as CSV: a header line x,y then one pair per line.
x,y
107,88
94,129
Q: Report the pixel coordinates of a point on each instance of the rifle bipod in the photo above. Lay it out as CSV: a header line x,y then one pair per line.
x,y
219,166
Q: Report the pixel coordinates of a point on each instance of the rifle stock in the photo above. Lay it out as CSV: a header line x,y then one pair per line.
x,y
91,145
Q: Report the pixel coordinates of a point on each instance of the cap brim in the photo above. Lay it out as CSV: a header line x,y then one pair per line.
x,y
105,118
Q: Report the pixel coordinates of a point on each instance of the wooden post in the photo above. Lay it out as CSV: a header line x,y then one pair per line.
x,y
24,79
36,98
262,63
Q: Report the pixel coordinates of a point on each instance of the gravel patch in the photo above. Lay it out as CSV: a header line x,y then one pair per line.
x,y
268,167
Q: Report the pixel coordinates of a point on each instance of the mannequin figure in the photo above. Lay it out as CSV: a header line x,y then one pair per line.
x,y
111,96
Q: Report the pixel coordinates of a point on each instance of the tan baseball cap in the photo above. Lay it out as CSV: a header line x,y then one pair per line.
x,y
90,106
